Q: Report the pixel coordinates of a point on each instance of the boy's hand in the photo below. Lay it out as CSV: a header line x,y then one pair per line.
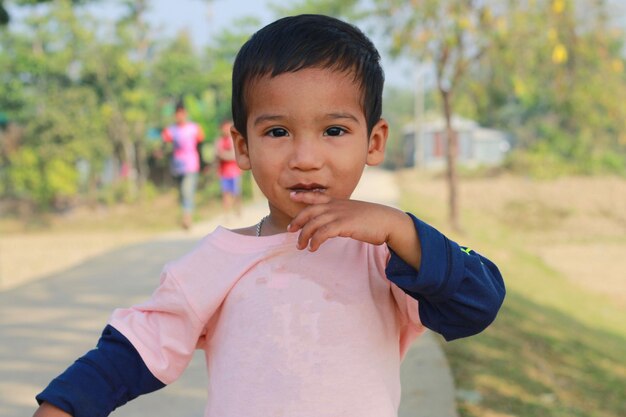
x,y
325,218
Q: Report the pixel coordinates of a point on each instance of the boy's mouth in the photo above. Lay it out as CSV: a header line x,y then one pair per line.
x,y
308,188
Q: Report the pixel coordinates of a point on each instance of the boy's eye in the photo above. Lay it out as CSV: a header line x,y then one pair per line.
x,y
277,132
334,131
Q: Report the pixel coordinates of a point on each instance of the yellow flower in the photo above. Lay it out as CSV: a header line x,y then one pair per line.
x,y
558,6
559,54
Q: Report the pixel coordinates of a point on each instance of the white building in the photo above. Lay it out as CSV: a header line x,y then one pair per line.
x,y
478,146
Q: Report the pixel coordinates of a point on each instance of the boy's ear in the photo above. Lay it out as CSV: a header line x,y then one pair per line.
x,y
241,149
377,143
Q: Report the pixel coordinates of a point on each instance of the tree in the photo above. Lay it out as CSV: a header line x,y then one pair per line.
x,y
60,118
555,77
219,57
452,35
77,91
177,70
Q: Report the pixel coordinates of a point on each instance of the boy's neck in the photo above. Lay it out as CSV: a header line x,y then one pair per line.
x,y
270,226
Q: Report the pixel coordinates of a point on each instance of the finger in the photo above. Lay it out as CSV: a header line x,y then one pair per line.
x,y
306,215
320,229
322,234
307,224
309,197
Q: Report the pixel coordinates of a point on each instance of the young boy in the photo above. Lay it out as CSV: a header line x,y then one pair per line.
x,y
310,311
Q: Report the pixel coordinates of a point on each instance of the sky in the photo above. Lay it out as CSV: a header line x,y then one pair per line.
x,y
204,19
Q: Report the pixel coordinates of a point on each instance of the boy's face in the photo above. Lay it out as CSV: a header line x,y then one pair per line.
x,y
307,132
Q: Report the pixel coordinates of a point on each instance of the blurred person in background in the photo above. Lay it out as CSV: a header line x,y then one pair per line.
x,y
185,137
228,170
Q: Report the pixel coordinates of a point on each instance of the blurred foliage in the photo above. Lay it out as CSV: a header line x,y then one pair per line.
x,y
83,100
4,14
555,78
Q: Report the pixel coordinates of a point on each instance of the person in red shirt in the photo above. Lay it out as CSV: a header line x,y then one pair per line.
x,y
228,170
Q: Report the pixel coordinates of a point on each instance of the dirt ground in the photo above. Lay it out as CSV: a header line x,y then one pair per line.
x,y
576,225
24,258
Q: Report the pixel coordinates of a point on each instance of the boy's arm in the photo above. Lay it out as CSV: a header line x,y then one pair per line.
x,y
459,291
103,379
49,410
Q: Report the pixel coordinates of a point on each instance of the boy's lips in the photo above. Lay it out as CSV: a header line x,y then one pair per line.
x,y
307,188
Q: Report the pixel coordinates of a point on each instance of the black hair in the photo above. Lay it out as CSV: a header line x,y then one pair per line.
x,y
308,41
180,105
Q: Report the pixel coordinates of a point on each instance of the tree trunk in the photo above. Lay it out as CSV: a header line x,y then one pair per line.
x,y
452,150
125,149
141,159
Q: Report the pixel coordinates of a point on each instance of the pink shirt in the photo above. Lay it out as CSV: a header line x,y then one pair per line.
x,y
285,332
185,139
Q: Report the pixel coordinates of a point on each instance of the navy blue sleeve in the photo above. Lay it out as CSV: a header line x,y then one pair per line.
x,y
105,378
459,291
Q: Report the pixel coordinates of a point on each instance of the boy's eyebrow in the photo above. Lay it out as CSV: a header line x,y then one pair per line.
x,y
275,117
268,118
342,116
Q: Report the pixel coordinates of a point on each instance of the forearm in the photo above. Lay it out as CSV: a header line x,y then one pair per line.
x,y
403,238
459,291
49,410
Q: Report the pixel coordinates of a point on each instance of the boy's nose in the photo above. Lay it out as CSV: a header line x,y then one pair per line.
x,y
306,154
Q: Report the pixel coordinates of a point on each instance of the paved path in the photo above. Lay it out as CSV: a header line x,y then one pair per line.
x,y
46,324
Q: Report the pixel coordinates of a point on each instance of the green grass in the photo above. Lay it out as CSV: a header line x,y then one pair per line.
x,y
554,350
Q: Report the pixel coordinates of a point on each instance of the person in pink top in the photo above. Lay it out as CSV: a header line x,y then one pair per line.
x,y
184,136
228,170
309,312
